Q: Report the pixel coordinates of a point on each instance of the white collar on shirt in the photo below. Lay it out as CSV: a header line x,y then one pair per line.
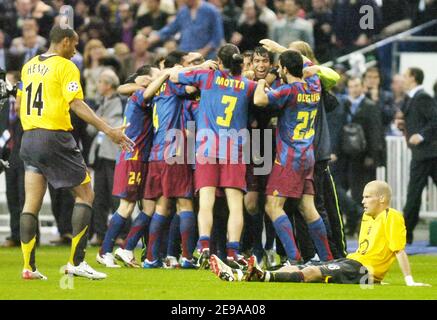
x,y
412,92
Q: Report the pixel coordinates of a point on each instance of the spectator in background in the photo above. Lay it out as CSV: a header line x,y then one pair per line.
x,y
354,171
267,15
250,30
321,19
8,61
384,99
125,26
399,95
200,25
420,115
348,32
96,29
167,6
231,13
140,55
292,28
45,16
93,53
154,19
15,173
13,21
279,10
395,16
423,11
103,153
30,43
340,90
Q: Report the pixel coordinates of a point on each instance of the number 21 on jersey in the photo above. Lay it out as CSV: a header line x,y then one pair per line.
x,y
231,102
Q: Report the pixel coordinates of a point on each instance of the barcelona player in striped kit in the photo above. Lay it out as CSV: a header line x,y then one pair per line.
x,y
225,98
129,176
292,174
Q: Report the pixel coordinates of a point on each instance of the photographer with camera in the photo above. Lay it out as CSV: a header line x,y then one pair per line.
x,y
10,140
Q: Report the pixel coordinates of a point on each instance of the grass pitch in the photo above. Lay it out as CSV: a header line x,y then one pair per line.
x,y
163,284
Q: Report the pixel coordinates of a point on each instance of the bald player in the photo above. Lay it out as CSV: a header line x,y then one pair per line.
x,y
382,239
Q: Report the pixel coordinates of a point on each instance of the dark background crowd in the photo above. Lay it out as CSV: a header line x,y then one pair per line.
x,y
124,35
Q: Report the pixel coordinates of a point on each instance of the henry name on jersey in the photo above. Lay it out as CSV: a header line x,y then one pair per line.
x,y
37,68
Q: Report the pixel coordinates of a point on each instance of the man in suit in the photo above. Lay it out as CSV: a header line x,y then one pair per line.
x,y
8,61
420,116
355,171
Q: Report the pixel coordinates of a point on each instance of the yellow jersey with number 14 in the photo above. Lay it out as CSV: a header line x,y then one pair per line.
x,y
48,85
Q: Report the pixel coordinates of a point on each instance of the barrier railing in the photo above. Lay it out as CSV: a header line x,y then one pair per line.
x,y
397,174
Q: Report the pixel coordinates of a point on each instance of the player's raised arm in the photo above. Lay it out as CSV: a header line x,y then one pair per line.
x,y
404,264
260,97
209,64
117,135
328,77
156,84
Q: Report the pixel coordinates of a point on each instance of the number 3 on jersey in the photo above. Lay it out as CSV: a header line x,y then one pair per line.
x,y
305,129
229,111
37,100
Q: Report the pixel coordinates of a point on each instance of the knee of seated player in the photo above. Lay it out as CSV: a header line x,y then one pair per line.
x,y
312,274
288,268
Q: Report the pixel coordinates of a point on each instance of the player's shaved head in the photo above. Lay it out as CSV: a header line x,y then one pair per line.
x,y
380,189
58,33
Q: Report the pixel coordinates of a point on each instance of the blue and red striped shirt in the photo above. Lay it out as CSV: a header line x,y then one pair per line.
x,y
295,132
138,113
167,115
222,112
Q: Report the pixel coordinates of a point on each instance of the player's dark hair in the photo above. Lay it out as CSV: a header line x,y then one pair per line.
x,y
263,52
173,58
141,71
58,33
293,61
417,74
231,58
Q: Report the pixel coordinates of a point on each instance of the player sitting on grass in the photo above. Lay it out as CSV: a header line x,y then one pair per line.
x,y
382,239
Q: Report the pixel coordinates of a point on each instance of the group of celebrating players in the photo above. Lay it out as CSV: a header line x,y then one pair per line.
x,y
220,97
218,103
166,170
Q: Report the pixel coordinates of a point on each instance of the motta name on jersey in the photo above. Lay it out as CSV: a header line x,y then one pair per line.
x,y
231,83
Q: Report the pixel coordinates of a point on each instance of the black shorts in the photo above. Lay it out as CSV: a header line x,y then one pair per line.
x,y
55,155
346,271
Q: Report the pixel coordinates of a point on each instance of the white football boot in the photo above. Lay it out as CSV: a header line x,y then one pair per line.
x,y
32,275
107,260
127,257
84,270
